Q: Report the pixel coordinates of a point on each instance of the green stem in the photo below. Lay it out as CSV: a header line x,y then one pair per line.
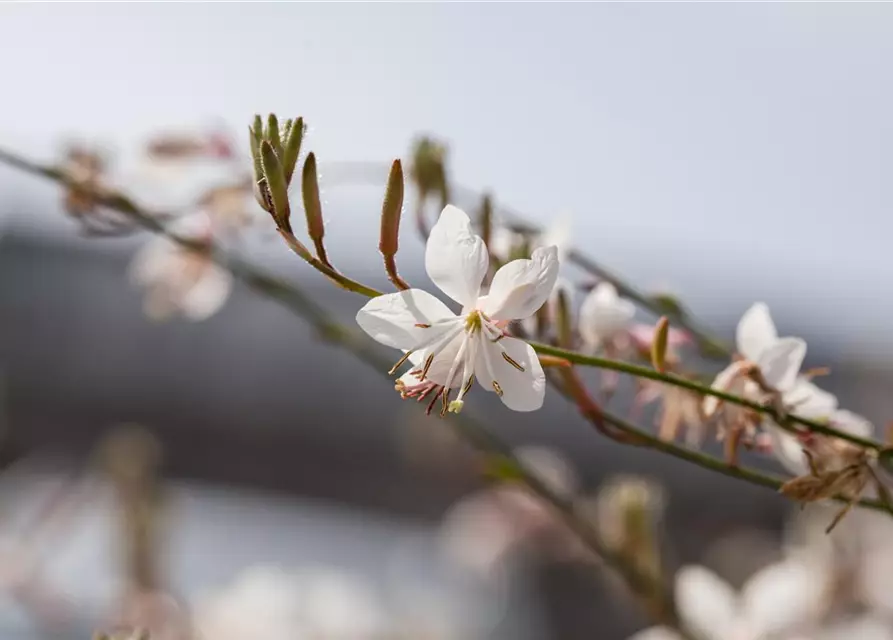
x,y
470,430
677,381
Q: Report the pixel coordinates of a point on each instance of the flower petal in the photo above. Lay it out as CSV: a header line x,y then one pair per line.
x,y
706,603
207,295
852,423
729,380
787,449
604,314
809,401
756,332
521,390
455,258
781,362
521,287
782,596
392,319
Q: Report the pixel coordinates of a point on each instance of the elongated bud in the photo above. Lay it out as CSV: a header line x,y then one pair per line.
x,y
391,210
313,207
292,150
659,344
487,219
276,194
255,136
563,319
273,136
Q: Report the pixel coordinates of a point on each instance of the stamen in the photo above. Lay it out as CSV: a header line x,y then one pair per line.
x,y
400,363
497,388
468,384
511,361
424,393
446,401
433,400
428,362
423,326
498,338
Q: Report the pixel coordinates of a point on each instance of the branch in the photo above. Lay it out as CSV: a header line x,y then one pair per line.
x,y
470,430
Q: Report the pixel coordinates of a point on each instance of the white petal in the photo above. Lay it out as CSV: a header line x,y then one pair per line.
x,y
443,361
521,390
391,319
455,258
521,287
152,261
781,596
809,401
728,380
756,331
787,450
852,423
207,295
706,603
603,314
656,633
781,362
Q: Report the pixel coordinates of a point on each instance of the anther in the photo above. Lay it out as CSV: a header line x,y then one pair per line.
x,y
399,363
497,388
511,361
428,362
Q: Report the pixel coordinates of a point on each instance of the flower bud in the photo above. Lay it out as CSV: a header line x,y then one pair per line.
x,y
659,345
272,134
274,188
313,206
391,210
294,136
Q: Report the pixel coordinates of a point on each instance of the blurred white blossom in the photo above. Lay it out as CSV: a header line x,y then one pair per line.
x,y
605,318
179,279
774,603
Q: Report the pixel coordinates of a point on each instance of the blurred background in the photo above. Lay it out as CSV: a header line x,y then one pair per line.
x,y
726,153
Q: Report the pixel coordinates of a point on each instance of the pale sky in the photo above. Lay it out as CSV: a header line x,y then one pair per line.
x,y
733,152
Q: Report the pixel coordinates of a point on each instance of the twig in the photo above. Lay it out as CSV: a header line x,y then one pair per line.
x,y
473,432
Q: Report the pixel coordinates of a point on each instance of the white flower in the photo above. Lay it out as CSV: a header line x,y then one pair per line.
x,y
776,600
778,360
453,350
604,315
178,279
789,450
